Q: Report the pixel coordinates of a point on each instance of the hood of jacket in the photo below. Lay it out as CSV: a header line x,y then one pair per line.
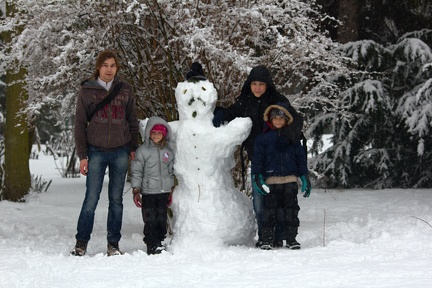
x,y
281,106
262,74
152,121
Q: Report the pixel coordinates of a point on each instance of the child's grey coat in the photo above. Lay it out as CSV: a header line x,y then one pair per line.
x,y
153,168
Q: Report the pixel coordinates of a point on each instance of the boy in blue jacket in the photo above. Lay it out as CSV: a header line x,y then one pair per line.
x,y
276,165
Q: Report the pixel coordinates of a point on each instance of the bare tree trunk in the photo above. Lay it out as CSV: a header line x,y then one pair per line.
x,y
17,172
348,16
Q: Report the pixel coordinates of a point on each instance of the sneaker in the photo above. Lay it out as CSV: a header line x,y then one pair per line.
x,y
266,247
80,248
278,243
113,249
293,245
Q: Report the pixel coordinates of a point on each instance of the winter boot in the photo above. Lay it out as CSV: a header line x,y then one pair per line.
x,y
293,245
266,246
267,238
291,241
278,243
113,249
80,248
155,249
259,244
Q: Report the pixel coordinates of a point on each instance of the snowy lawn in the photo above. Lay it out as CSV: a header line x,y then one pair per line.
x,y
352,238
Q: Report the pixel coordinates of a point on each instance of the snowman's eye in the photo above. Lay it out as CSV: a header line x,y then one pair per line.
x,y
184,91
203,88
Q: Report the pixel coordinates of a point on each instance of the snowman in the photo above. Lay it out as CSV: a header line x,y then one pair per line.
x,y
208,209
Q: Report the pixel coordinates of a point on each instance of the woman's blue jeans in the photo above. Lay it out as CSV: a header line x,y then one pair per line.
x,y
117,163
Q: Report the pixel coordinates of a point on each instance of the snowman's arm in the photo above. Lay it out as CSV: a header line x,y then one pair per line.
x,y
174,126
142,126
239,128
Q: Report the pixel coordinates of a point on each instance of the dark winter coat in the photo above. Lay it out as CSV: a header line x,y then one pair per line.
x,y
275,155
247,105
153,167
115,125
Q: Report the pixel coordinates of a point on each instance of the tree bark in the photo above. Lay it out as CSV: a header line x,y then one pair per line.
x,y
17,181
348,30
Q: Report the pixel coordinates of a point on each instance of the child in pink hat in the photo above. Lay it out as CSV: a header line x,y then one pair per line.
x,y
152,181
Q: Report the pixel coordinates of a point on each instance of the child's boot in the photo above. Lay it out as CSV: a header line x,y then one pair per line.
x,y
267,236
291,241
153,249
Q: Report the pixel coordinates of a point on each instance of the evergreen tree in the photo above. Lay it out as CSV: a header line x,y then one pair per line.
x,y
379,117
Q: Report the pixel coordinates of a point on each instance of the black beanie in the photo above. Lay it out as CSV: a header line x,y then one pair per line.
x,y
277,112
196,71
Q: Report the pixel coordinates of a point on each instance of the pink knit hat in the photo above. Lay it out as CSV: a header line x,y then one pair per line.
x,y
160,128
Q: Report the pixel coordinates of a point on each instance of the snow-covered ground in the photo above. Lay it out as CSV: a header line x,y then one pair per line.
x,y
352,238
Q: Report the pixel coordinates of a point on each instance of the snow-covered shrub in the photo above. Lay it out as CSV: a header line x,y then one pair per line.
x,y
158,40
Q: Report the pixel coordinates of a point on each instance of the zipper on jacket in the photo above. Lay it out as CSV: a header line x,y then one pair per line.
x,y
281,154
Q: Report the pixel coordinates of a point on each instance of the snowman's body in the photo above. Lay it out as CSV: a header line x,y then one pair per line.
x,y
206,205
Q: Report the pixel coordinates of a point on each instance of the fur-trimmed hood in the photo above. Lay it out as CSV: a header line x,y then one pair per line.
x,y
281,107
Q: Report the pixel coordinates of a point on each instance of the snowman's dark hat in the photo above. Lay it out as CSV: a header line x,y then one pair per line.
x,y
196,73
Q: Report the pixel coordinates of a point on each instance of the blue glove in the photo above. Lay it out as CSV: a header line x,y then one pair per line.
x,y
218,117
259,184
306,185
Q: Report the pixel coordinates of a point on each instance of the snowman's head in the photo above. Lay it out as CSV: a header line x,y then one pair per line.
x,y
195,100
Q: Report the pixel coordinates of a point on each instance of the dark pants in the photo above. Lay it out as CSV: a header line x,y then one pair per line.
x,y
258,205
154,213
281,196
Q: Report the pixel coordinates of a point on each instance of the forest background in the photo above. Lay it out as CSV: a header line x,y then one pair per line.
x,y
357,70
